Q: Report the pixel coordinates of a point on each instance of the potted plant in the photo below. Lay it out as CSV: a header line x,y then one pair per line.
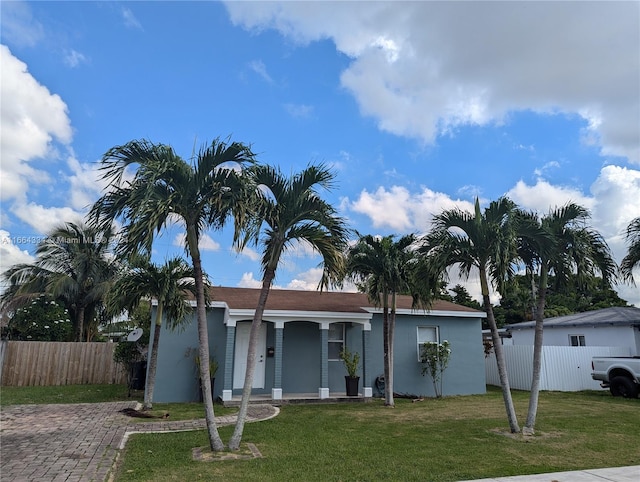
x,y
351,363
213,368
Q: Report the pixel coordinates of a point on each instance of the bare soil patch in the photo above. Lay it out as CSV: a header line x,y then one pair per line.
x,y
526,438
247,451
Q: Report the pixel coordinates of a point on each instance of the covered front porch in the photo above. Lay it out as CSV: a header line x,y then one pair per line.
x,y
298,348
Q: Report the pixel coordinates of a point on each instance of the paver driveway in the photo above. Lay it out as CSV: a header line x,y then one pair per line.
x,y
77,442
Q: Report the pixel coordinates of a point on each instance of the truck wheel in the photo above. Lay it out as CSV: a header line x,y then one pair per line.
x,y
623,387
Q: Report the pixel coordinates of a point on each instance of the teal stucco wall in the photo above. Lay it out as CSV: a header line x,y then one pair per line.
x,y
465,374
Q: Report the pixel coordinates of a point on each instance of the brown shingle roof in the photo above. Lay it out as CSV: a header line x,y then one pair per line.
x,y
298,300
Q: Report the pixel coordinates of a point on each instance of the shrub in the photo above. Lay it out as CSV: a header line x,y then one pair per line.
x,y
43,319
435,358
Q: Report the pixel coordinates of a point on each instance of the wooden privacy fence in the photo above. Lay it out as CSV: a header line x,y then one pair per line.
x,y
564,368
43,363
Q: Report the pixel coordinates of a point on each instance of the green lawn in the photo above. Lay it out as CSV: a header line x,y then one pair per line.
x,y
66,394
102,393
450,439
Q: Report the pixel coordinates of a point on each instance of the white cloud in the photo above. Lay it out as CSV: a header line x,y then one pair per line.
x,y
386,207
19,26
86,184
247,281
470,191
299,111
44,219
207,243
614,200
10,254
260,68
617,195
32,119
74,58
130,19
417,79
304,281
252,254
35,124
398,209
300,249
544,196
547,167
307,280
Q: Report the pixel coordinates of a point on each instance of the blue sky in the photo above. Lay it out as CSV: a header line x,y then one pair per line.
x,y
417,106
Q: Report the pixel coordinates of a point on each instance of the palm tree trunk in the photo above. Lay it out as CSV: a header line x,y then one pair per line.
x,y
388,387
203,341
500,361
529,426
392,331
236,438
153,360
80,322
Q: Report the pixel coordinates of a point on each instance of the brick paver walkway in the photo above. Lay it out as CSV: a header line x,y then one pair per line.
x,y
78,442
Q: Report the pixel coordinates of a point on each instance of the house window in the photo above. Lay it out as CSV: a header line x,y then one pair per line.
x,y
426,334
576,340
336,340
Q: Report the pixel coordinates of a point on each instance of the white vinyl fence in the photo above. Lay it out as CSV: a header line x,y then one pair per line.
x,y
564,368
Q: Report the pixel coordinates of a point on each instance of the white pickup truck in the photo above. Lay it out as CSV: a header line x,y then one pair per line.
x,y
621,375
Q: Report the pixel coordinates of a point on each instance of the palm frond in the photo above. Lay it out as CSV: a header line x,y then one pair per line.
x,y
632,258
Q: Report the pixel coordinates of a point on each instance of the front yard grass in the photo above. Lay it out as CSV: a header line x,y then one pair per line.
x,y
99,394
66,394
455,438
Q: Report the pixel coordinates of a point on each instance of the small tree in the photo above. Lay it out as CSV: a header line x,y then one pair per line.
x,y
435,358
43,319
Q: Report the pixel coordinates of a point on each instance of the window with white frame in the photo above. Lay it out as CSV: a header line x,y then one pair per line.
x,y
336,340
576,340
426,334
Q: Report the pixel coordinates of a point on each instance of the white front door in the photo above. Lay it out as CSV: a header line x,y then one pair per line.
x,y
242,348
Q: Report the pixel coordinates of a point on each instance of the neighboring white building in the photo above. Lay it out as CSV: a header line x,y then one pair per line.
x,y
617,326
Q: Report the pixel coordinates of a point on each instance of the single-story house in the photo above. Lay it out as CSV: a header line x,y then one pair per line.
x,y
302,335
617,326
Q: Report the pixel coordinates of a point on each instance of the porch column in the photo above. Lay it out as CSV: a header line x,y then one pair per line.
x,y
366,375
276,391
323,392
229,352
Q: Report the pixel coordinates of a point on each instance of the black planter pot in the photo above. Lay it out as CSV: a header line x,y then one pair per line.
x,y
352,385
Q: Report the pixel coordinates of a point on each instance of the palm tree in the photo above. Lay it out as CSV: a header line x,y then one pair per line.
x,y
562,246
632,259
200,194
383,268
169,285
485,241
291,210
73,265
